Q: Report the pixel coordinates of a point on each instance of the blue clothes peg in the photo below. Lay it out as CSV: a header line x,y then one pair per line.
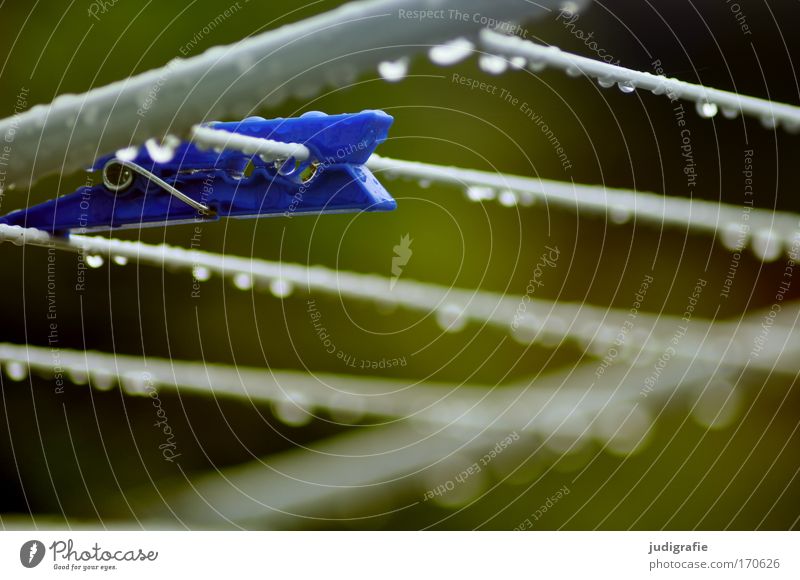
x,y
205,185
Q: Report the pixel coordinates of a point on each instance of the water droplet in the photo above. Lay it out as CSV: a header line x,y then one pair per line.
x,y
791,126
518,62
576,458
394,71
564,429
525,328
766,245
624,429
347,409
508,198
161,152
553,332
77,377
281,288
201,273
600,341
390,174
424,183
243,281
480,193
452,485
451,52
292,411
518,463
451,318
573,71
626,87
103,380
659,89
16,371
606,82
537,66
729,113
619,214
526,198
717,405
493,64
769,121
120,260
706,110
136,383
384,304
734,236
127,154
94,261
569,8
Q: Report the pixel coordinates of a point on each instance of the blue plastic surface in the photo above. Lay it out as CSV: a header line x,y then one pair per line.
x,y
339,144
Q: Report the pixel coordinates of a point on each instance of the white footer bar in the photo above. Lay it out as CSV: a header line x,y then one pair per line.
x,y
406,555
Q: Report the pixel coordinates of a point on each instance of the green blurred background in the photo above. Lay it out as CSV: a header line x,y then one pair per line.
x,y
621,140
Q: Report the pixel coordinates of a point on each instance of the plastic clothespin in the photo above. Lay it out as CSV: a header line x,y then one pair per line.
x,y
191,184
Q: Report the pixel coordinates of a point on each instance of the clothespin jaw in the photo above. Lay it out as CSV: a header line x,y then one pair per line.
x,y
154,186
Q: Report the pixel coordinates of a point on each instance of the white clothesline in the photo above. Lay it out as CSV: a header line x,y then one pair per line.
x,y
769,234
299,396
709,101
220,140
593,327
297,59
